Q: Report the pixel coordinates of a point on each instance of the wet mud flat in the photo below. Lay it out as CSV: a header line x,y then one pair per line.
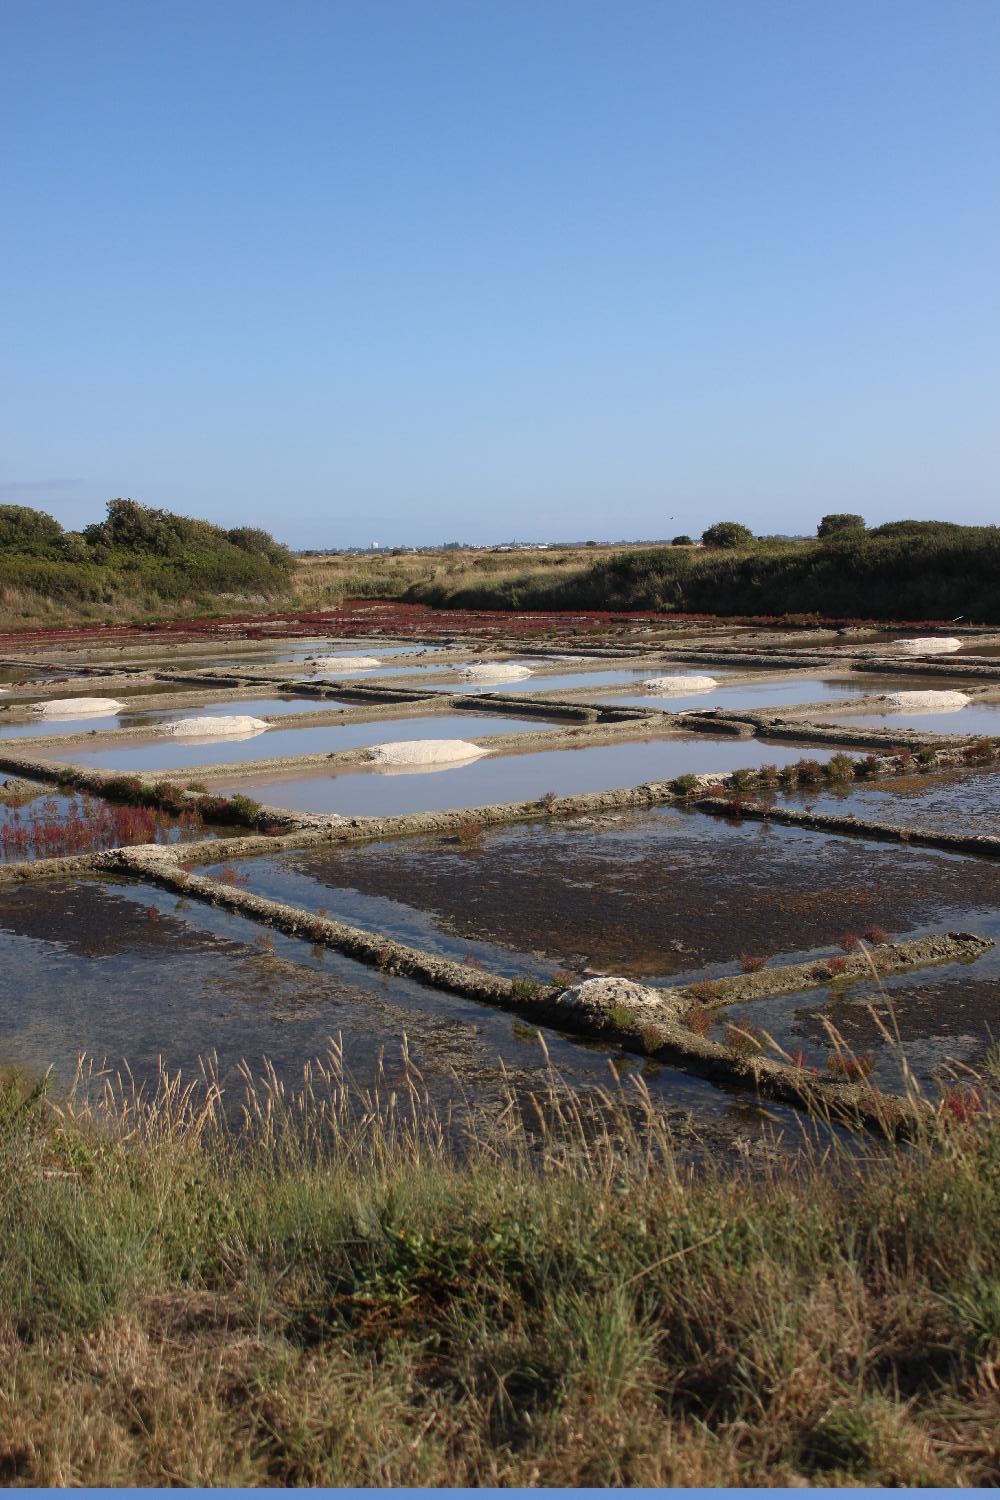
x,y
959,801
126,972
509,778
654,896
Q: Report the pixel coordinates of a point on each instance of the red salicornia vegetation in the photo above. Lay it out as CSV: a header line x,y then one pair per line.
x,y
58,827
752,963
698,1019
745,1039
963,1106
855,1067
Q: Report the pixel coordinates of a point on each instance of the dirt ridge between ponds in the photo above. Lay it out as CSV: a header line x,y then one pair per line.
x,y
870,962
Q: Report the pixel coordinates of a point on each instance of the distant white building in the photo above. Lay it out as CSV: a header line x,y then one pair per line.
x,y
376,546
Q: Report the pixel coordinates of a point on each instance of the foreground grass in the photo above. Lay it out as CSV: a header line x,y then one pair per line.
x,y
339,1297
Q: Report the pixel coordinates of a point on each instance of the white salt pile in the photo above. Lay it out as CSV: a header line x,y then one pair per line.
x,y
679,684
215,727
415,753
343,664
75,708
929,702
929,645
495,671
597,997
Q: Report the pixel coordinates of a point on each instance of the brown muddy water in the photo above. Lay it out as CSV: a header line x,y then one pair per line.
x,y
511,778
128,972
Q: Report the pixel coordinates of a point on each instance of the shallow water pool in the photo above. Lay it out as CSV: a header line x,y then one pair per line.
x,y
44,823
165,753
514,778
658,896
957,801
751,696
142,718
558,683
974,718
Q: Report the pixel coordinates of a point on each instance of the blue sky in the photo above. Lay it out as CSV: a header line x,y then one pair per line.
x,y
425,270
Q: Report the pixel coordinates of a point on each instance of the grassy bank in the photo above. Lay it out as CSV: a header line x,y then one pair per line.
x,y
346,1300
902,571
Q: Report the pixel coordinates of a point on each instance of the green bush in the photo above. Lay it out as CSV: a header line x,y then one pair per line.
x,y
727,534
841,521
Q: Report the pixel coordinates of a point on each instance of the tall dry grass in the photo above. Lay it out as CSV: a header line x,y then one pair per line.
x,y
337,1286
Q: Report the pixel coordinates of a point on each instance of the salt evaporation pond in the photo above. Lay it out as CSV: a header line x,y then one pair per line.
x,y
960,801
129,973
973,719
755,695
146,718
170,754
561,683
657,896
512,778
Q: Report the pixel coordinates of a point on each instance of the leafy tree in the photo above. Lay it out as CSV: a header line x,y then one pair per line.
x,y
681,541
260,543
840,521
30,532
727,534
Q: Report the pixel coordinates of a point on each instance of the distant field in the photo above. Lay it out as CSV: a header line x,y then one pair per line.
x,y
324,580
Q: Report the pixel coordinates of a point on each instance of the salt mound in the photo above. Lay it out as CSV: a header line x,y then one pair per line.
x,y
215,727
76,708
422,752
929,645
495,671
597,997
679,684
929,702
345,664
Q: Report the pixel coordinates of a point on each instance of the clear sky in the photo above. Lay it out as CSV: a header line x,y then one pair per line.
x,y
430,270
